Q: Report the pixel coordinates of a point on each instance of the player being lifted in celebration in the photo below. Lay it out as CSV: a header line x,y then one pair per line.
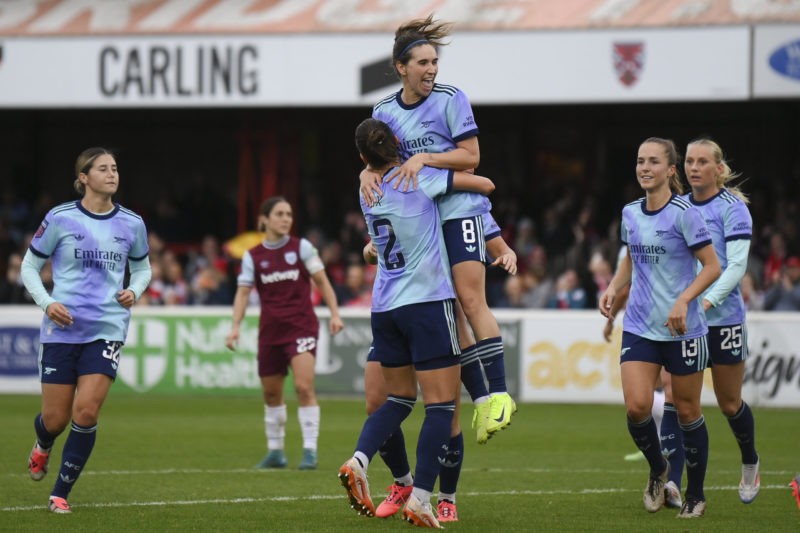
x,y
413,323
89,241
436,128
664,323
281,269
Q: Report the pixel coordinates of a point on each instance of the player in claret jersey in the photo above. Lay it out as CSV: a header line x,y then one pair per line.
x,y
280,269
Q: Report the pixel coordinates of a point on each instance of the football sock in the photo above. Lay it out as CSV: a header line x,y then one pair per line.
x,y
432,444
695,446
383,422
743,427
393,453
451,466
275,425
490,352
76,453
645,437
309,425
658,408
672,443
44,438
472,373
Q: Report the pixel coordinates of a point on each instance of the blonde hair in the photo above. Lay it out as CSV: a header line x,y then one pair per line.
x,y
84,164
727,175
673,158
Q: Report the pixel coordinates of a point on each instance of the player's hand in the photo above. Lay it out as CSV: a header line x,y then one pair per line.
x,y
126,298
706,305
606,301
407,172
336,325
676,320
59,315
508,262
232,339
370,186
370,253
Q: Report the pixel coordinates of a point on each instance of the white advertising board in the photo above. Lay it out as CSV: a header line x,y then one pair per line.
x,y
327,69
776,61
563,358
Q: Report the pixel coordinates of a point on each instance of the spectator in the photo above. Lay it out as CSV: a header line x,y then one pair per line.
x,y
12,291
784,293
569,294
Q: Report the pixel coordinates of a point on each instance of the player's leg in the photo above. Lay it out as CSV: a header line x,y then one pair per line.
x,y
272,369
59,378
728,381
90,394
393,450
672,444
308,411
401,397
451,467
686,396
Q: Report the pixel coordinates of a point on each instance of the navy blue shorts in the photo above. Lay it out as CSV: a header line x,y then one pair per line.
x,y
465,240
491,228
727,345
421,334
680,357
62,363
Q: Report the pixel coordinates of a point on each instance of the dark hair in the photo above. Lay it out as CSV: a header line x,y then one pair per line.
x,y
267,206
673,158
416,32
376,143
84,163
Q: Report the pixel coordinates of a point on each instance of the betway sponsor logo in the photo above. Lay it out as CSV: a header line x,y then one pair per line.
x,y
286,275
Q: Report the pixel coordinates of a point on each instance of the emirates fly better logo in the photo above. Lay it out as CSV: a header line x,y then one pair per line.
x,y
628,62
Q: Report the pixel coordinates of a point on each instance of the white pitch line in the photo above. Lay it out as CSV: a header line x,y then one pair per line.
x,y
234,501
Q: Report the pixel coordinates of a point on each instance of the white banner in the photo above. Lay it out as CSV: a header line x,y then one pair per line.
x,y
565,359
552,356
776,61
347,69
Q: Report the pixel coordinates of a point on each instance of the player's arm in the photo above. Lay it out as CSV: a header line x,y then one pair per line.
x,y
466,181
506,257
329,297
30,269
608,305
239,309
465,156
676,320
736,252
140,279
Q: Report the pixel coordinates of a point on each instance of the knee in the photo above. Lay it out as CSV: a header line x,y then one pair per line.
x,y
637,411
86,415
305,393
730,406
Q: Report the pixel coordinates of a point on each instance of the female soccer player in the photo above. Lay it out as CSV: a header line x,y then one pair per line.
x,y
436,127
664,324
281,269
724,208
413,324
86,317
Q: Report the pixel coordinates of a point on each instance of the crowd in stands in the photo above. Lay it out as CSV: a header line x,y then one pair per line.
x,y
564,260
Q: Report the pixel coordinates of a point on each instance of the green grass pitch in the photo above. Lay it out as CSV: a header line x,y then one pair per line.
x,y
177,463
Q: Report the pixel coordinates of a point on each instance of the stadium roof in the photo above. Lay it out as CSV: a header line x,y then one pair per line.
x,y
103,17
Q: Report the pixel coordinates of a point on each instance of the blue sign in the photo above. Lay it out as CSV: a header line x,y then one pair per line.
x,y
19,351
786,60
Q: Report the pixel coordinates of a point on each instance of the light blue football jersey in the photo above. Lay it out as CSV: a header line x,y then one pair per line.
x,y
89,253
728,219
435,124
661,245
406,230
